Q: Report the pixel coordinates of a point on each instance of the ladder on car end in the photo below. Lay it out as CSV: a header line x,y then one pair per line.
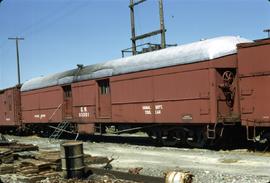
x,y
211,131
61,127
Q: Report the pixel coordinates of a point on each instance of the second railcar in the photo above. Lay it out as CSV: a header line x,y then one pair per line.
x,y
10,110
254,79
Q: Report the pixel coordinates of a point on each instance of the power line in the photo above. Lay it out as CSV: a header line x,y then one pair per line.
x,y
30,29
27,28
54,20
42,19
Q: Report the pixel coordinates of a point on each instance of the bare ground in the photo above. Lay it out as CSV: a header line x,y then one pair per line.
x,y
239,166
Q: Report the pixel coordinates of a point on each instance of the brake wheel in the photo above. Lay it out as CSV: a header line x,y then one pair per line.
x,y
228,77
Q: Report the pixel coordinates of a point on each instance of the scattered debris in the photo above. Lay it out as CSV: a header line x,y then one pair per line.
x,y
119,175
108,165
177,176
15,147
89,160
52,157
7,169
6,155
5,141
37,164
135,171
24,163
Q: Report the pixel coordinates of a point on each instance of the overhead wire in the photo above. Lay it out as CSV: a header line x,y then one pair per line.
x,y
30,29
49,22
4,43
27,28
43,18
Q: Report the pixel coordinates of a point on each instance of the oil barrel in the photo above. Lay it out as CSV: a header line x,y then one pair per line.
x,y
178,177
72,159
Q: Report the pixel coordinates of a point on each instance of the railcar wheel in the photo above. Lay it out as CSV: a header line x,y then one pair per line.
x,y
175,137
155,136
265,138
169,141
197,138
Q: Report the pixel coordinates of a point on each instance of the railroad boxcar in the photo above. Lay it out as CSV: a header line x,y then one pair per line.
x,y
254,79
185,93
10,111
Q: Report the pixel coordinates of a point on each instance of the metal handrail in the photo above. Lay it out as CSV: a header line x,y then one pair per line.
x,y
55,111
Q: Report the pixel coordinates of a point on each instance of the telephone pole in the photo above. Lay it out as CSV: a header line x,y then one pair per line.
x,y
18,57
162,25
267,31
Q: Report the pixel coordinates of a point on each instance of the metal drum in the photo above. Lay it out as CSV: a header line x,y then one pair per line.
x,y
178,177
72,159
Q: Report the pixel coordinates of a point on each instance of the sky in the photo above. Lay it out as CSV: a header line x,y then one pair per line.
x,y
59,34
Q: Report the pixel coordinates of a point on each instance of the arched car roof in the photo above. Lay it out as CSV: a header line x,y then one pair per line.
x,y
189,53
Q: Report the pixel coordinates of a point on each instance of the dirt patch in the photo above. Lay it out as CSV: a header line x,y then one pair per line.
x,y
209,166
228,160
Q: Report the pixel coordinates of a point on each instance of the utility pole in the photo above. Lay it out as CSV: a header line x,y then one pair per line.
x,y
162,25
18,57
132,21
268,31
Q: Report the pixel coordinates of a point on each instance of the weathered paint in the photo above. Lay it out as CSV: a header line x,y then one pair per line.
x,y
254,82
42,106
10,107
180,94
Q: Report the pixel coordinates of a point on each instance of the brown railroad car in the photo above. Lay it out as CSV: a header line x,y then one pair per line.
x,y
186,93
254,87
10,111
180,98
183,94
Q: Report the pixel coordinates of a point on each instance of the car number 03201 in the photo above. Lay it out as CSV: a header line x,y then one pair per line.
x,y
83,112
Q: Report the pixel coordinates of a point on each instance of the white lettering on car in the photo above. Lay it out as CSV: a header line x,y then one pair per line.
x,y
84,112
